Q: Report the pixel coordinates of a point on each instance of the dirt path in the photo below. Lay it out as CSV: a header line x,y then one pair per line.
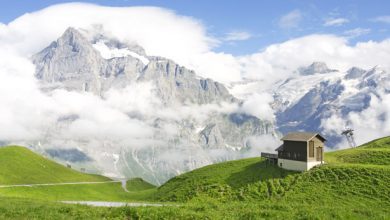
x,y
124,185
59,184
111,204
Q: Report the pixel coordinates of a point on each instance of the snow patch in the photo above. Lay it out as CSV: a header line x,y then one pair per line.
x,y
293,89
198,129
232,148
109,53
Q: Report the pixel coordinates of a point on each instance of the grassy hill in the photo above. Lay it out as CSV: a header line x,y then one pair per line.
x,y
354,184
138,184
236,175
18,165
22,166
351,185
219,178
376,152
111,191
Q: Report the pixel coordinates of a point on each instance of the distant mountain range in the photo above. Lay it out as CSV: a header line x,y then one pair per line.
x,y
305,102
92,63
314,94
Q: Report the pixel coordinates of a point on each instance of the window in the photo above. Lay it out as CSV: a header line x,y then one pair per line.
x,y
311,148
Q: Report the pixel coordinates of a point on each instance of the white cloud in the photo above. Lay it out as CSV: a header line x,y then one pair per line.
x,y
357,32
237,36
384,19
263,143
290,20
258,105
20,117
335,22
221,67
278,61
372,123
152,27
160,31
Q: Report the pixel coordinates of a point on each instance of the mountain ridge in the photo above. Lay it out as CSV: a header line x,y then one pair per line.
x,y
100,65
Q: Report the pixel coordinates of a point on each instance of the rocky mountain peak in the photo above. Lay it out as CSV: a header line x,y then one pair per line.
x,y
70,59
71,37
96,63
314,68
83,61
354,73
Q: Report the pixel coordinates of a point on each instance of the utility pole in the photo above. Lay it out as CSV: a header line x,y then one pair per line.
x,y
348,133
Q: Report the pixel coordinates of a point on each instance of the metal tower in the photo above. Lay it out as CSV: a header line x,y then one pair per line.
x,y
348,132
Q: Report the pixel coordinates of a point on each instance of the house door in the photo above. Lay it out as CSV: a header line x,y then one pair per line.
x,y
319,154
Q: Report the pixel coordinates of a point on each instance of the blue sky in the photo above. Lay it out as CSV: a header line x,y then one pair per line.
x,y
247,26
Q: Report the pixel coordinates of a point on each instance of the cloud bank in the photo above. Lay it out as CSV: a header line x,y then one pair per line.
x,y
161,32
280,60
371,123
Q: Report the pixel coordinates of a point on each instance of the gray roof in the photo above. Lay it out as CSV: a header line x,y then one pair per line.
x,y
301,136
280,148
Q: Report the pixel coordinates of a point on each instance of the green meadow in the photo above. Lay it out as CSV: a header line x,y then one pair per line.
x,y
354,184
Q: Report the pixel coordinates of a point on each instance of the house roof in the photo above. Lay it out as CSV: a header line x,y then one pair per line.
x,y
302,136
280,148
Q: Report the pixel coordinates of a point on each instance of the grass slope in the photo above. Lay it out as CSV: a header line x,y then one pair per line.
x,y
353,185
138,184
82,192
235,176
376,152
18,165
218,179
22,166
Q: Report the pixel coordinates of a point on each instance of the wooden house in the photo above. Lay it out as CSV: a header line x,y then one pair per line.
x,y
301,151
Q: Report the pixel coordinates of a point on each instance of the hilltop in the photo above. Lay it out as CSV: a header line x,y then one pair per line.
x,y
222,177
351,185
376,152
19,165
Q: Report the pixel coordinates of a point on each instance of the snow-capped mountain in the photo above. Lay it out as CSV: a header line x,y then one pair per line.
x,y
315,68
305,102
192,121
75,63
318,98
